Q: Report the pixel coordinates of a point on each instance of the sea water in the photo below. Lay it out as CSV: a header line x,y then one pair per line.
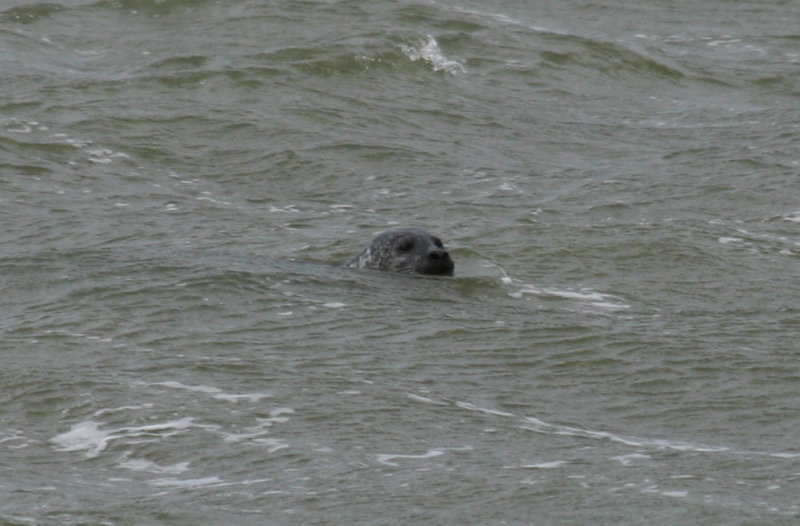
x,y
618,184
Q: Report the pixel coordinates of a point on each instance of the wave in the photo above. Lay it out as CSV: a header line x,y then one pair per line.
x,y
428,51
565,49
537,425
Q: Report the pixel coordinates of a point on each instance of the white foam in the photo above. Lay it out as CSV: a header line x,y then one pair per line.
x,y
180,424
388,458
626,460
602,435
659,443
257,434
272,444
216,392
212,200
152,467
471,407
90,438
188,483
23,128
424,399
85,436
101,412
105,156
539,426
675,494
429,52
784,455
196,388
498,17
545,465
257,437
14,440
793,217
287,209
599,300
250,397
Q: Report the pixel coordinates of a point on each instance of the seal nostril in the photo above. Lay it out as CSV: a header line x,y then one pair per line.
x,y
438,255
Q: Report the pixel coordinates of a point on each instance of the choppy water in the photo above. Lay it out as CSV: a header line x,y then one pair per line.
x,y
618,184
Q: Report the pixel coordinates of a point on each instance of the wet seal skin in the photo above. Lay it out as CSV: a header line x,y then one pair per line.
x,y
405,249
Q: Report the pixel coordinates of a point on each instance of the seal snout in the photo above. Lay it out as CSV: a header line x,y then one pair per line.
x,y
439,262
438,254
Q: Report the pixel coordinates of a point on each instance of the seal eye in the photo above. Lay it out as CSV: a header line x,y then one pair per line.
x,y
405,245
437,242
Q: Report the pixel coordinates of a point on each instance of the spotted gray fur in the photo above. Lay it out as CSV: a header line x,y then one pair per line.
x,y
405,249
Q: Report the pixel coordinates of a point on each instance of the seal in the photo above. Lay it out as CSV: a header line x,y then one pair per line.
x,y
405,249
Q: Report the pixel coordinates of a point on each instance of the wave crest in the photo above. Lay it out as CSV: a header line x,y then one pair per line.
x,y
428,51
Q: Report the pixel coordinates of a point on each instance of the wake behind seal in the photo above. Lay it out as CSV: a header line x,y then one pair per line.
x,y
405,249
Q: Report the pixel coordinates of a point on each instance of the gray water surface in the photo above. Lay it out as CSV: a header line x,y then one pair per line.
x,y
618,184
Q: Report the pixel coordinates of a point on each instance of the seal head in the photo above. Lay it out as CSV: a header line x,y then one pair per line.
x,y
410,250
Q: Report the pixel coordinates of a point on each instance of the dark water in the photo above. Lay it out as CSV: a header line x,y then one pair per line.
x,y
618,184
